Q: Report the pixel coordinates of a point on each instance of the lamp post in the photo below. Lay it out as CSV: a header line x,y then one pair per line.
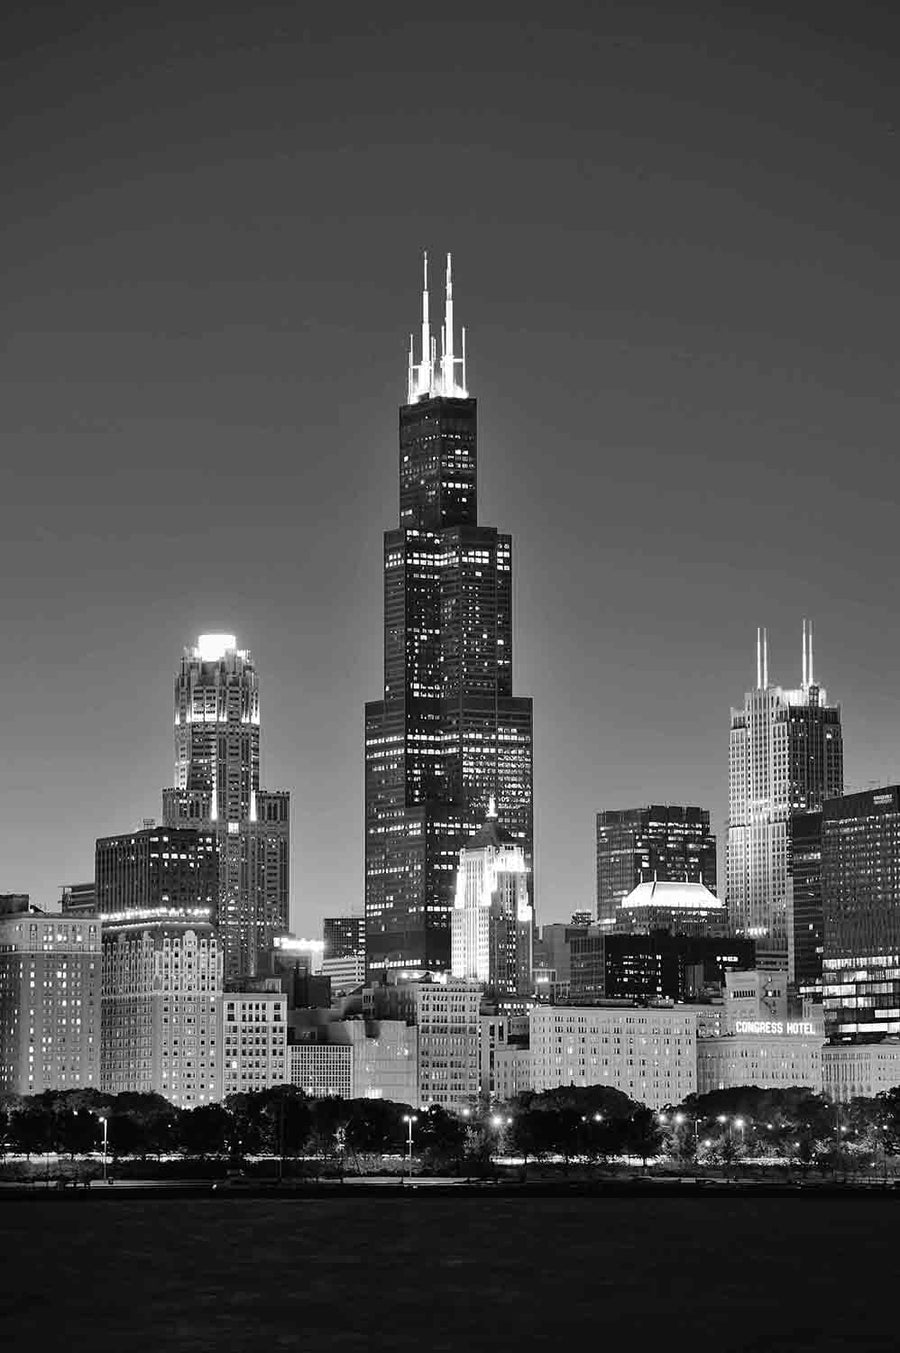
x,y
105,1121
409,1119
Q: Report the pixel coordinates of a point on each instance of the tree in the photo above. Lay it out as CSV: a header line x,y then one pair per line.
x,y
644,1135
204,1131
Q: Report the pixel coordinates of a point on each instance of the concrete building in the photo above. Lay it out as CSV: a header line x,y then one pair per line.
x,y
502,1036
648,1053
322,1070
254,1039
860,1069
752,995
492,922
381,1054
446,1013
785,757
79,899
49,1000
666,842
607,965
217,790
160,1027
346,972
171,869
770,1054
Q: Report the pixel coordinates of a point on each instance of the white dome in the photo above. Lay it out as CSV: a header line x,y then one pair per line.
x,y
674,896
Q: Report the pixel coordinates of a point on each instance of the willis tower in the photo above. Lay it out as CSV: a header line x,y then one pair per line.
x,y
449,734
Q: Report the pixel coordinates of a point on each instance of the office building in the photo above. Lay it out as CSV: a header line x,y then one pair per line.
x,y
217,771
49,1000
679,907
492,924
806,922
448,732
254,1039
345,974
79,899
785,758
649,1054
754,995
169,870
322,1070
160,1027
446,1014
504,1039
666,842
297,963
861,913
344,953
860,1070
553,959
613,966
769,1054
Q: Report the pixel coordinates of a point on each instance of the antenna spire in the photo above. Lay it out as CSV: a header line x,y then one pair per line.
x,y
437,376
765,659
758,658
805,680
810,663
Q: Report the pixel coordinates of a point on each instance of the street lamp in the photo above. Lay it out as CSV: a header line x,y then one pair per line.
x,y
105,1121
409,1119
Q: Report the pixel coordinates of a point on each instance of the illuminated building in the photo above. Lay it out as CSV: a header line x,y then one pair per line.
x,y
217,750
860,1070
344,953
504,1038
752,995
661,841
446,1013
49,1000
173,869
322,1070
345,974
806,921
644,966
648,1053
492,924
681,908
786,757
254,1039
79,899
448,732
770,1054
861,909
162,984
357,1058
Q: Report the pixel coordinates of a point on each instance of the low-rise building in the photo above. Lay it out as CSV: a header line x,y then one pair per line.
x,y
254,1039
322,1070
770,1054
647,1052
850,1070
446,1013
49,1000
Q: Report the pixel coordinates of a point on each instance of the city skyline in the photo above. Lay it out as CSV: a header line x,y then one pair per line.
x,y
696,423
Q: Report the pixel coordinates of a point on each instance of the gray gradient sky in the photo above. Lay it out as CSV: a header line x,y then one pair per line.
x,y
676,253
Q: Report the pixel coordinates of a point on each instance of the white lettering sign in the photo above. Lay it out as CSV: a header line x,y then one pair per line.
x,y
791,1027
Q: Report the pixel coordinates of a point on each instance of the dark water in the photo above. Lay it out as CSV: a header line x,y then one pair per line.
x,y
717,1274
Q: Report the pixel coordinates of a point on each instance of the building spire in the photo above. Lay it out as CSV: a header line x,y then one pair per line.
x,y
810,660
805,679
444,375
492,808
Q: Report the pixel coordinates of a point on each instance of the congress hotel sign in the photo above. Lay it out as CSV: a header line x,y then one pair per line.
x,y
787,1027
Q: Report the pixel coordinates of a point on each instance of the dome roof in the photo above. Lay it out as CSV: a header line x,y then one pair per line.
x,y
672,896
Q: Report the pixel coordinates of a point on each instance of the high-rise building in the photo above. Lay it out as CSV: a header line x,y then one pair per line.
x,y
162,988
609,965
254,1039
666,842
49,1000
492,925
448,732
786,757
806,921
167,870
680,908
217,753
446,1013
344,953
861,906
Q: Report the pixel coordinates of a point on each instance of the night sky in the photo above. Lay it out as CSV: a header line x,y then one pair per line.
x,y
675,248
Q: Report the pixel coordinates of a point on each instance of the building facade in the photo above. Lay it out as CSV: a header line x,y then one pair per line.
x,y
770,1054
852,1070
665,842
322,1070
785,757
161,993
171,870
49,1000
448,732
649,1054
861,911
217,791
612,966
806,920
254,1040
79,899
679,907
492,924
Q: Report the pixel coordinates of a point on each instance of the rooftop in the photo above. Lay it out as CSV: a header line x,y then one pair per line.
x,y
678,896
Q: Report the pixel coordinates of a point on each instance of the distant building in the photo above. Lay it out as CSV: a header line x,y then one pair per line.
x,y
851,1070
160,1028
666,842
755,995
806,920
49,1000
770,1054
254,1040
446,1013
322,1070
345,974
217,791
679,907
344,953
553,959
861,909
492,923
785,757
167,870
502,1037
79,899
297,963
649,1054
608,965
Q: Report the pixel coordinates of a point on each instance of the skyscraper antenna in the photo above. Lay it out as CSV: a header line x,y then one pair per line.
x,y
810,666
758,658
805,681
765,659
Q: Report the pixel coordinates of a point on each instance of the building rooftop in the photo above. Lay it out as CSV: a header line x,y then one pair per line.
x,y
676,896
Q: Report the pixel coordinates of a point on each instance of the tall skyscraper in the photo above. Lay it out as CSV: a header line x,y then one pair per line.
x,y
492,927
217,747
665,842
861,904
448,732
786,756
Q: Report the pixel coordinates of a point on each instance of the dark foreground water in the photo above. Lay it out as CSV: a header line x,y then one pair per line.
x,y
472,1274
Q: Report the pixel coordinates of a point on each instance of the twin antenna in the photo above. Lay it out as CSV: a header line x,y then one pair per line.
x,y
434,375
762,657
